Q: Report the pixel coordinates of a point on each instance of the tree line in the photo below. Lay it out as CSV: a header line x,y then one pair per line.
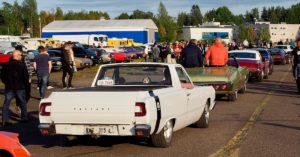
x,y
16,19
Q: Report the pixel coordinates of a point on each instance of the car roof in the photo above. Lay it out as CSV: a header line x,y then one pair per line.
x,y
246,50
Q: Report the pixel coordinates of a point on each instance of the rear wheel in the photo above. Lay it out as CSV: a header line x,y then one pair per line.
x,y
260,77
233,96
203,122
164,137
266,76
5,154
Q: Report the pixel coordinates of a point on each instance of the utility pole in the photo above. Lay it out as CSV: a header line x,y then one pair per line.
x,y
40,25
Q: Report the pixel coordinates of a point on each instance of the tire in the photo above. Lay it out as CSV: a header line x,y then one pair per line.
x,y
271,70
260,77
243,90
233,96
266,76
4,153
164,137
203,122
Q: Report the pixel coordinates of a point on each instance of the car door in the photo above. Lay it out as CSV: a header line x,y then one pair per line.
x,y
194,107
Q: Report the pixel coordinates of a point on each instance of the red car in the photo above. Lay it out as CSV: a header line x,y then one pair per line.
x,y
4,59
259,67
280,56
10,146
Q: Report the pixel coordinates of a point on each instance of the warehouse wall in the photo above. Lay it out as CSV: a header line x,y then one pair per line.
x,y
138,36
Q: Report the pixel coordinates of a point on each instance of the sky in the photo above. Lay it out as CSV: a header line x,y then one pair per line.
x,y
115,7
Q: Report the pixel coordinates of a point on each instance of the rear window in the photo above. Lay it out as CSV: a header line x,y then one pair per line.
x,y
136,75
281,47
275,51
243,55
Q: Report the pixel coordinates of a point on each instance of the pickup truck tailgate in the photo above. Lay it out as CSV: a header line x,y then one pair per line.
x,y
93,107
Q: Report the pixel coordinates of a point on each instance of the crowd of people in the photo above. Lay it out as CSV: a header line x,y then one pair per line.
x,y
16,76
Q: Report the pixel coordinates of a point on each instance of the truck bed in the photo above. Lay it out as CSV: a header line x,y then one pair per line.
x,y
117,88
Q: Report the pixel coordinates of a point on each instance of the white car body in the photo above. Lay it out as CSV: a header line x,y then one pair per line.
x,y
286,48
86,112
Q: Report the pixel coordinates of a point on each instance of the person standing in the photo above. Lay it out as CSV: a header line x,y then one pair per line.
x,y
296,63
68,63
177,51
217,54
191,55
16,79
155,52
43,65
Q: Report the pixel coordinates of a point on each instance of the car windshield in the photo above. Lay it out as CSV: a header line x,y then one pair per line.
x,y
243,55
134,75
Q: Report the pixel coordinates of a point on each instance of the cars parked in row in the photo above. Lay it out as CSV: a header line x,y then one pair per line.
x,y
280,56
110,55
149,100
258,66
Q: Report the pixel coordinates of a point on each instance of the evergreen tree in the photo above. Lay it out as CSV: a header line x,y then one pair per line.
x,y
196,15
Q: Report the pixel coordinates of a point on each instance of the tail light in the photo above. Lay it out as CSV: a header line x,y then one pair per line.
x,y
217,87
85,56
140,109
224,86
45,109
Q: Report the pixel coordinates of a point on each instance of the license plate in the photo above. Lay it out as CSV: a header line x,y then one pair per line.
x,y
101,130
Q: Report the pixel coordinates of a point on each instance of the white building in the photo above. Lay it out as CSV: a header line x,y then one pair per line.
x,y
284,31
208,31
141,30
278,32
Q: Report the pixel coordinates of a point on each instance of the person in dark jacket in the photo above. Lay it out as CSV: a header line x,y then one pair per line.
x,y
296,63
68,63
16,79
192,56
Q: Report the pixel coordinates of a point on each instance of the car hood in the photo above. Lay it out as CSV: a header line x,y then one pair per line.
x,y
13,136
211,74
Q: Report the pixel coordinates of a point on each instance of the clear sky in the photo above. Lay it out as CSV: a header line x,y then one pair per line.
x,y
115,7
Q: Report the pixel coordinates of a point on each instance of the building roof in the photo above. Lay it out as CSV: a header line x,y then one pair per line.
x,y
100,24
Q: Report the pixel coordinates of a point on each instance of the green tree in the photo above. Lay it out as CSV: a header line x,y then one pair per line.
x,y
167,31
253,15
243,33
222,15
251,34
264,14
264,34
123,16
183,19
30,16
196,15
59,14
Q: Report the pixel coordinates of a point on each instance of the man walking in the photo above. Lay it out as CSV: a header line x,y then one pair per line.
x,y
155,52
68,64
16,79
191,55
296,63
43,65
217,54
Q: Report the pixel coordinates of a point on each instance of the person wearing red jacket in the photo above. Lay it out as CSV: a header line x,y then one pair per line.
x,y
217,54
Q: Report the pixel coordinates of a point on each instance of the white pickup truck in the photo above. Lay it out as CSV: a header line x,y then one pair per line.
x,y
129,99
